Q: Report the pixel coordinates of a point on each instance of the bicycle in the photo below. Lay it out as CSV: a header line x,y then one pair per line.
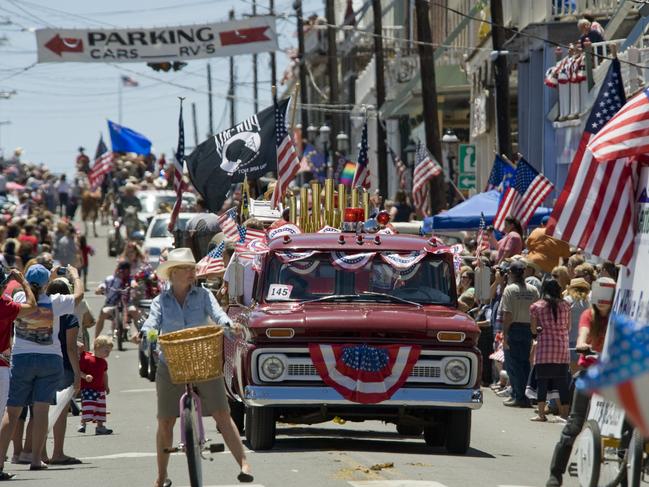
x,y
121,318
193,355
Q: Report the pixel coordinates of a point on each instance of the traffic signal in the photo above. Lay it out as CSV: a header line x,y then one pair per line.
x,y
167,66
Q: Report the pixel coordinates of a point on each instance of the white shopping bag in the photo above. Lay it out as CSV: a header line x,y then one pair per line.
x,y
63,399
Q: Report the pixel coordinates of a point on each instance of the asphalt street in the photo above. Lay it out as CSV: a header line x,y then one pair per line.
x,y
506,449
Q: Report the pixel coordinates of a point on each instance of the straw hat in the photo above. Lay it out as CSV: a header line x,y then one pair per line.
x,y
579,283
177,257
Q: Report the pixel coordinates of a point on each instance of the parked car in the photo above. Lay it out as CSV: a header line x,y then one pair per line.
x,y
152,199
322,301
158,237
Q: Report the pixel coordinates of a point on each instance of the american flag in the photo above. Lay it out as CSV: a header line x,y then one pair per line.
x,y
179,185
288,163
128,81
627,133
400,167
247,235
426,168
362,174
102,166
228,223
501,175
521,200
596,207
212,262
622,374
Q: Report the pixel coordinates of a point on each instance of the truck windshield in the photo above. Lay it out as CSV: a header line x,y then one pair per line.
x,y
429,281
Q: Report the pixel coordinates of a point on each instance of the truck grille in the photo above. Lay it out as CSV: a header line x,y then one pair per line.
x,y
309,372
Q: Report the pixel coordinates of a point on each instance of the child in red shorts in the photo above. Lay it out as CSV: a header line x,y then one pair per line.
x,y
94,387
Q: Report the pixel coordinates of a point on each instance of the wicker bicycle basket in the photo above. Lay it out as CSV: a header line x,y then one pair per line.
x,y
194,354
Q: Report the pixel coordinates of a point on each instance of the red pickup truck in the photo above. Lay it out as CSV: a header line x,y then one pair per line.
x,y
359,327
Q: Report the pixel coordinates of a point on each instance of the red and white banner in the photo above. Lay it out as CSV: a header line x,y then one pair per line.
x,y
157,44
362,373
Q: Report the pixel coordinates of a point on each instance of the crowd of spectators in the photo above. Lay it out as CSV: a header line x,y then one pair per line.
x,y
533,298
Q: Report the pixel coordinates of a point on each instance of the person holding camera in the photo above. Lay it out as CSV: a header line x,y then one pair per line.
x,y
36,358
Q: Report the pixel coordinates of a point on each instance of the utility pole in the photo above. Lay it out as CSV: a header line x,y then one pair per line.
x,y
332,65
304,97
380,97
255,92
429,96
273,63
501,75
233,115
195,124
209,100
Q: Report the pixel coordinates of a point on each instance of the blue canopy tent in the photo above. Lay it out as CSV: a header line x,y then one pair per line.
x,y
466,215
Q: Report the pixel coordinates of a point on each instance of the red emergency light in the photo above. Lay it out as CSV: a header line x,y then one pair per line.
x,y
383,217
353,215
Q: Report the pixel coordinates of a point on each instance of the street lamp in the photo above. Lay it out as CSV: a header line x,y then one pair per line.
x,y
311,132
342,142
449,139
324,140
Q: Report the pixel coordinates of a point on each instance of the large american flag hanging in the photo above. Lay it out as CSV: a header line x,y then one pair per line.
x,y
362,174
524,196
362,373
179,184
426,168
596,207
212,262
622,375
102,166
288,163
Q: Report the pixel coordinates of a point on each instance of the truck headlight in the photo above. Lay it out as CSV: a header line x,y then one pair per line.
x,y
456,370
271,367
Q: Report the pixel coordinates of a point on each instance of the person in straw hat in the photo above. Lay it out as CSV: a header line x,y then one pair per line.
x,y
184,305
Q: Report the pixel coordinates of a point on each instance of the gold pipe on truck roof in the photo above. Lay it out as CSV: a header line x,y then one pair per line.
x,y
354,193
316,211
304,208
329,201
292,209
366,204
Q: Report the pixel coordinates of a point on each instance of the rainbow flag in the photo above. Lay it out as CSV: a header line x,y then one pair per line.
x,y
347,174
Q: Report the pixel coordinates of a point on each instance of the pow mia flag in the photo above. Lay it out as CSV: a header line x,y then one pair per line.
x,y
248,148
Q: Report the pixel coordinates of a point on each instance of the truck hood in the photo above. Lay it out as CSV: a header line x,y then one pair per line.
x,y
345,321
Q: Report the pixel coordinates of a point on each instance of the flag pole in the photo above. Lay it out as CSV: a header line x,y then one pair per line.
x,y
119,100
294,105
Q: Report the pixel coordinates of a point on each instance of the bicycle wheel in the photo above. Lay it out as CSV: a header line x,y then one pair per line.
x,y
119,326
192,443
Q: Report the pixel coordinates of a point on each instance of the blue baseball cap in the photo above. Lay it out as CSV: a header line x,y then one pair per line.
x,y
545,220
37,274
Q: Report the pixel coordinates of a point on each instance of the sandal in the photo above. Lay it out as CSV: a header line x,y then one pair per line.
x,y
66,461
6,476
244,477
42,466
539,419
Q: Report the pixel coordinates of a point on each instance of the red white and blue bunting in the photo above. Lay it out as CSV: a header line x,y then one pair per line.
x,y
288,229
287,256
362,373
351,262
328,229
403,261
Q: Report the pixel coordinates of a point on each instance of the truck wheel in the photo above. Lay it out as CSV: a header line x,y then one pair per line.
x,y
458,435
435,435
260,427
238,414
409,430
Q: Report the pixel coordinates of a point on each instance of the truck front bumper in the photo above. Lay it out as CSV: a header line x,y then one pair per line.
x,y
319,396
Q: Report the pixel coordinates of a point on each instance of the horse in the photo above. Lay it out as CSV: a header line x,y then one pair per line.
x,y
90,204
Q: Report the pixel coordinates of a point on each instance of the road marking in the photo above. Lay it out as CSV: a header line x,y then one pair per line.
x,y
394,483
229,485
138,390
140,454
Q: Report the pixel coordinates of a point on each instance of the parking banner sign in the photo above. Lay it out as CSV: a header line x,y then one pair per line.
x,y
157,44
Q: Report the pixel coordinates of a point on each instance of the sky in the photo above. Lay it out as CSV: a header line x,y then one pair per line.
x,y
61,106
